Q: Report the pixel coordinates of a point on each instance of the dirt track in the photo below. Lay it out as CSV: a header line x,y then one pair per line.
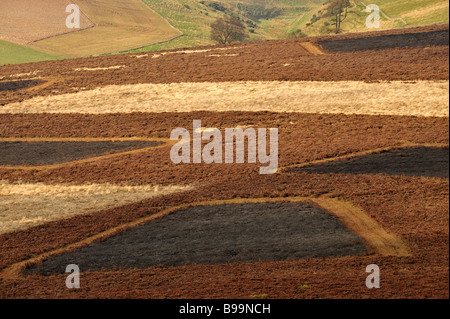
x,y
413,208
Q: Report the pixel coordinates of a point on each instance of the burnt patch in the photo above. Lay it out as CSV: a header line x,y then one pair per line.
x,y
219,234
47,153
412,161
391,41
14,86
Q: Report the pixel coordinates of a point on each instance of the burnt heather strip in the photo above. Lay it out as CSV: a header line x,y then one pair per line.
x,y
45,153
18,85
219,234
411,40
413,161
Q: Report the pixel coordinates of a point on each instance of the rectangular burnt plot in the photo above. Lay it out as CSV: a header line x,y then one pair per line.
x,y
411,40
412,161
19,85
47,153
219,234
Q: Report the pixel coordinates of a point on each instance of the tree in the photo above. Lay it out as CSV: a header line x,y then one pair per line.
x,y
227,30
296,34
339,9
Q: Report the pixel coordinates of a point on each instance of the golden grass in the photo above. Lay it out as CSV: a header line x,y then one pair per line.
x,y
421,98
379,240
20,75
119,26
427,11
311,48
26,205
100,69
191,51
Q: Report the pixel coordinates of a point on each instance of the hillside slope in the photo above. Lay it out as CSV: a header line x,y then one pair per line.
x,y
106,26
26,21
393,14
119,25
265,20
113,26
11,53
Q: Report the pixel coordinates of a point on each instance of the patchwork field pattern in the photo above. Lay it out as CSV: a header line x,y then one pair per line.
x,y
362,178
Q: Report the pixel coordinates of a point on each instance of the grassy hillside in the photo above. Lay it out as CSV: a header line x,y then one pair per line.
x,y
276,19
416,13
394,14
11,53
193,18
125,24
119,25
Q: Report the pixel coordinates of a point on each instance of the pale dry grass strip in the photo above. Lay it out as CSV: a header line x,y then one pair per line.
x,y
27,205
358,221
115,67
221,55
191,51
421,98
311,48
20,75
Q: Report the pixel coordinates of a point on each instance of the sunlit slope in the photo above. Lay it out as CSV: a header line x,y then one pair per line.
x,y
394,14
26,21
194,17
11,53
119,25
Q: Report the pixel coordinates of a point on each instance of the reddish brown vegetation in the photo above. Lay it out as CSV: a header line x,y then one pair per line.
x,y
413,208
255,61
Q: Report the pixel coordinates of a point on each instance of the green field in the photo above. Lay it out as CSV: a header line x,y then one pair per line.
x,y
194,17
11,53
